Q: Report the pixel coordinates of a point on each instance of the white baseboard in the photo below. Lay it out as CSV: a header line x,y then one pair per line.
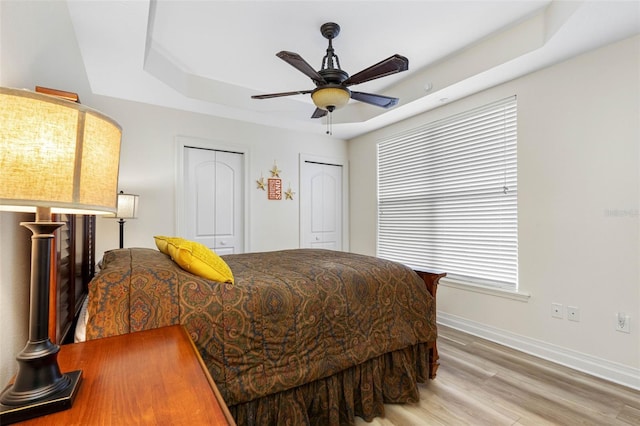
x,y
611,371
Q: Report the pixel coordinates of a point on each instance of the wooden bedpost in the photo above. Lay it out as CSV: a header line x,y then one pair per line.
x,y
431,280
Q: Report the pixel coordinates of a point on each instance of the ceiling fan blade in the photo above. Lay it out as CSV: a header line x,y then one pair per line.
x,y
277,95
377,100
391,65
301,65
318,113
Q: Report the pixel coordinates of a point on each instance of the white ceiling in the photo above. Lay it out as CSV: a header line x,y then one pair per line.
x,y
210,56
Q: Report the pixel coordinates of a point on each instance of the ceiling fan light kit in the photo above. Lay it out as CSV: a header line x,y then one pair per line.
x,y
330,98
332,82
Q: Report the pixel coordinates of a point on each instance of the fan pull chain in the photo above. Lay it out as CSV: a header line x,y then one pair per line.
x,y
329,123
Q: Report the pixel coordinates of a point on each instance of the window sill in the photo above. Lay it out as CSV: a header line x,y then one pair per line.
x,y
491,291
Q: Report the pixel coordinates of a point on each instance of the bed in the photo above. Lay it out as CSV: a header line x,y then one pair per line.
x,y
300,337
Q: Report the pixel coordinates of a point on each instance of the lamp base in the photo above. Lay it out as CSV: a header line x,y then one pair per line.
x,y
57,402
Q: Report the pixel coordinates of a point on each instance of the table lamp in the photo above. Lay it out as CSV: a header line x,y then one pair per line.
x,y
127,209
56,156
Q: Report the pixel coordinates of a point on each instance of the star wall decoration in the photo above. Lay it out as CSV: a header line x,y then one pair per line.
x,y
275,172
261,183
288,195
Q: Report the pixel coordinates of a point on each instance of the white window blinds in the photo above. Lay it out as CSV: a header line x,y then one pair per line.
x,y
447,196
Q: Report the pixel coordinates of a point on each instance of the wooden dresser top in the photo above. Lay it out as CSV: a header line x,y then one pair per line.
x,y
151,377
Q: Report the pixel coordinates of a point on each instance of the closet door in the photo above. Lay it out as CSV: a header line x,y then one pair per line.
x,y
213,188
321,205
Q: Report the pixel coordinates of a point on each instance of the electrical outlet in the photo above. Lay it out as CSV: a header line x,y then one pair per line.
x,y
623,322
573,313
556,310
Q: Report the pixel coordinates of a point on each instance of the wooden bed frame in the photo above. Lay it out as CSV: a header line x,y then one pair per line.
x,y
431,280
74,268
71,271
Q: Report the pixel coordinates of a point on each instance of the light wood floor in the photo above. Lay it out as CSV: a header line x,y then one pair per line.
x,y
483,383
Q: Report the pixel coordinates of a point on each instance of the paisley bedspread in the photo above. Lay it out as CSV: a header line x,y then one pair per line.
x,y
292,317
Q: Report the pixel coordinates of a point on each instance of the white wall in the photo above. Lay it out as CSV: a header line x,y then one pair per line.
x,y
14,290
39,48
148,163
578,178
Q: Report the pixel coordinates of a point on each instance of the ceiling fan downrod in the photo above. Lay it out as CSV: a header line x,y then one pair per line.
x,y
330,30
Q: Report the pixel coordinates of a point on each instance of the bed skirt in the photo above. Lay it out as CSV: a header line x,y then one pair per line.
x,y
357,391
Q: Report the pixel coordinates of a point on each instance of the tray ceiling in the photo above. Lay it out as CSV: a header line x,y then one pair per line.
x,y
211,56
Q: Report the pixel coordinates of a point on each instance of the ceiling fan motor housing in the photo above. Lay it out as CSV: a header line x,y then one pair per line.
x,y
332,95
333,75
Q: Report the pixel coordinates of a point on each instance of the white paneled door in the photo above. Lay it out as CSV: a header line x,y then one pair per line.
x,y
321,205
213,188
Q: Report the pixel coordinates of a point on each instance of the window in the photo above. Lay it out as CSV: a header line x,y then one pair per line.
x,y
447,196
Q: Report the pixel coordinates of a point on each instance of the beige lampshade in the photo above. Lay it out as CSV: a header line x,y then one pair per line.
x,y
327,97
56,153
127,206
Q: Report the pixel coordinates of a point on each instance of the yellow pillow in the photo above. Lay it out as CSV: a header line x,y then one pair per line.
x,y
164,243
196,258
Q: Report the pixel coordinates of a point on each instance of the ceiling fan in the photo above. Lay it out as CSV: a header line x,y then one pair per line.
x,y
332,82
